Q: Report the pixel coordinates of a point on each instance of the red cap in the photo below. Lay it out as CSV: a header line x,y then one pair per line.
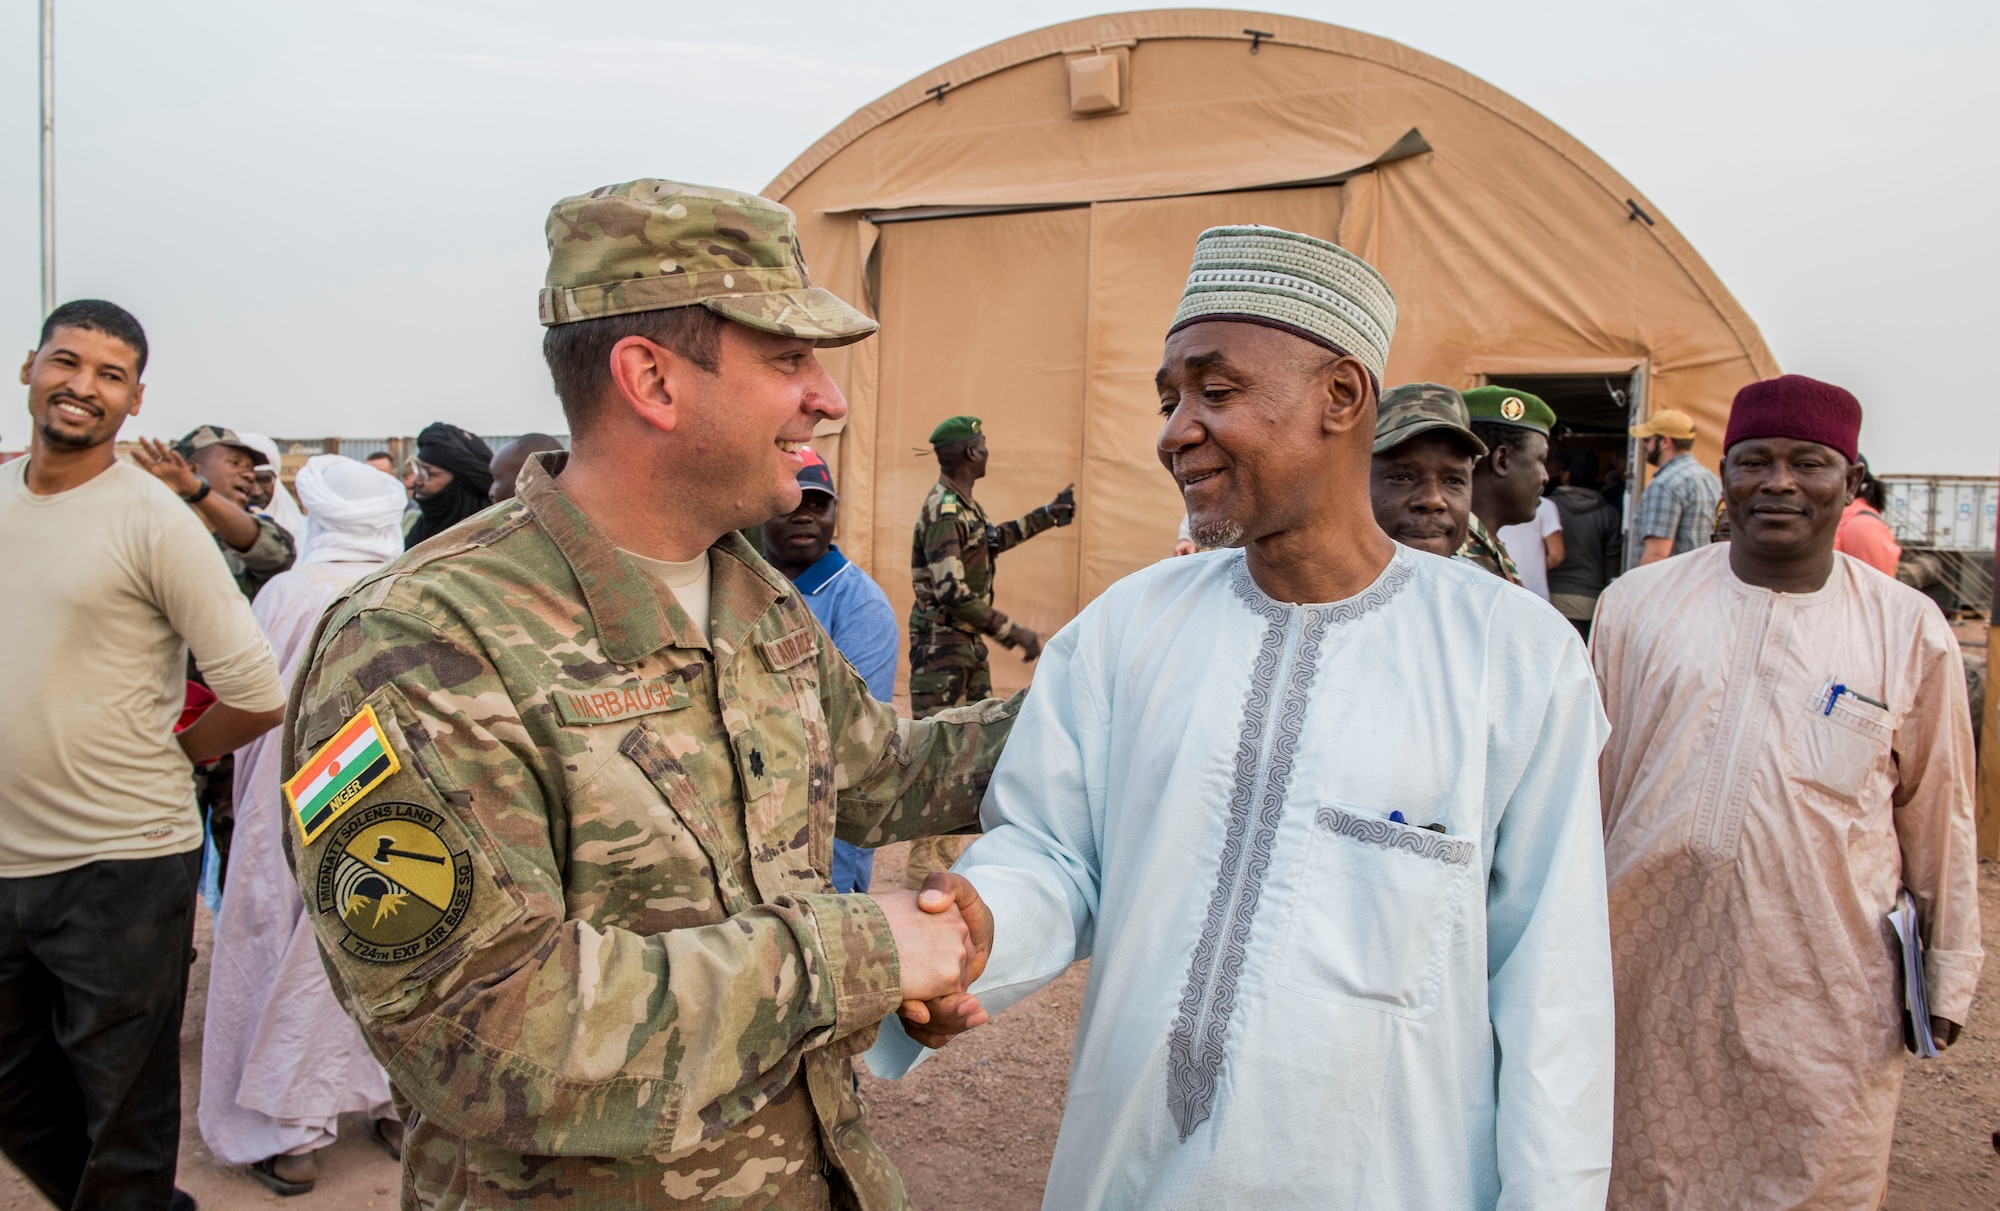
x,y
1797,407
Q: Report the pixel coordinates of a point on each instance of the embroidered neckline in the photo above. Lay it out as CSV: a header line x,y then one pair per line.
x,y
1382,590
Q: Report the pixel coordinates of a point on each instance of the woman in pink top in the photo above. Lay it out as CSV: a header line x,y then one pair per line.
x,y
1862,532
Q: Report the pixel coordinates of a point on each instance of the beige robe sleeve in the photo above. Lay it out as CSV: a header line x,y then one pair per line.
x,y
1934,820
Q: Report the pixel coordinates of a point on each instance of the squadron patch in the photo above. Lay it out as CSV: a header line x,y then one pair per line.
x,y
395,883
345,768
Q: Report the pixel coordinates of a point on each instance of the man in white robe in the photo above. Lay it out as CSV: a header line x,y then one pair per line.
x,y
280,1060
1790,746
1320,809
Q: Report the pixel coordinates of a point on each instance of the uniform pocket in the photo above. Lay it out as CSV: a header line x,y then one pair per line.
x,y
1376,910
1840,750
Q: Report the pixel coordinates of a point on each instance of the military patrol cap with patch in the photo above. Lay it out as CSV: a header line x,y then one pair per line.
x,y
1508,406
653,245
205,436
955,429
1415,408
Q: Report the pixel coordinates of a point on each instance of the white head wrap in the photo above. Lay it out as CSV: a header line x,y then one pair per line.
x,y
354,512
282,509
1295,282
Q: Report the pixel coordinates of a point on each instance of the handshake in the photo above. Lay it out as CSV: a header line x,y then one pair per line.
x,y
943,935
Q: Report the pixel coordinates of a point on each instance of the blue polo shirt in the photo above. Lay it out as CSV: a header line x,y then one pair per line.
x,y
856,613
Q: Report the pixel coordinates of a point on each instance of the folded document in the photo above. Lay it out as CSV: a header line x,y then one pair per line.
x,y
1916,1004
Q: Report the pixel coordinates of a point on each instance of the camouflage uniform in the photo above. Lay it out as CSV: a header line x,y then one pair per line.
x,y
951,567
1482,548
585,919
635,985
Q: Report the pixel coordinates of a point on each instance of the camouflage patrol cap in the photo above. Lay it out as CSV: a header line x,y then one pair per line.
x,y
653,245
1415,408
955,429
1509,406
204,436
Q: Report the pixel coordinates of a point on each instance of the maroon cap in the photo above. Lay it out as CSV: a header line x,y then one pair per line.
x,y
816,475
1797,407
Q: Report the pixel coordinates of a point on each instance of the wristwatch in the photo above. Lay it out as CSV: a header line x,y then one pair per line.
x,y
198,495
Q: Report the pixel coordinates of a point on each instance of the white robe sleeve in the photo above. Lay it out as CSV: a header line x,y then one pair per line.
x,y
1037,864
1549,962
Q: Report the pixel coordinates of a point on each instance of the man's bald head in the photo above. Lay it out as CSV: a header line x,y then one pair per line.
x,y
510,458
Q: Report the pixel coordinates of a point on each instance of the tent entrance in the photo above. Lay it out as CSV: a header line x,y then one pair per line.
x,y
1594,412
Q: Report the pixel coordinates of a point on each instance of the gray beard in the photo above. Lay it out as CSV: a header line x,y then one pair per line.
x,y
1212,534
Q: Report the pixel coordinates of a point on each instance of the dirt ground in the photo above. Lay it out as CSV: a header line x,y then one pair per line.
x,y
976,1124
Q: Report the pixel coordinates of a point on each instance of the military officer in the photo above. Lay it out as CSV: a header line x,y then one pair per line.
x,y
1420,475
564,785
951,568
1506,483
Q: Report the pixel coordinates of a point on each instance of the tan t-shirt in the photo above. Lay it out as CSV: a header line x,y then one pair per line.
x,y
687,581
108,586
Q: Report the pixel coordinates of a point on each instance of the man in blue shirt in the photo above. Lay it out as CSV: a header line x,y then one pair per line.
x,y
852,608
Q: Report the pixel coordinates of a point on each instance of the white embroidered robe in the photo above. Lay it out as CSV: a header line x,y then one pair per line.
x,y
1294,1000
1757,827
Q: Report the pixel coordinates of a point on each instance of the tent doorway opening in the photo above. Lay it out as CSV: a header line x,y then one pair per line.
x,y
1594,413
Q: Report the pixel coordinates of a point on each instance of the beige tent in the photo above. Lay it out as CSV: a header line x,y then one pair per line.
x,y
1021,220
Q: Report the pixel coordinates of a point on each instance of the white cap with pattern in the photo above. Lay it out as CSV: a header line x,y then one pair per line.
x,y
1300,283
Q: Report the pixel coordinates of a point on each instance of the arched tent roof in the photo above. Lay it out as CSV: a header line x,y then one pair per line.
x,y
1025,258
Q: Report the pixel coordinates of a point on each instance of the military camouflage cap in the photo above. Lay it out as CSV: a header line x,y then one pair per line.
x,y
1415,408
1508,406
955,429
653,245
205,436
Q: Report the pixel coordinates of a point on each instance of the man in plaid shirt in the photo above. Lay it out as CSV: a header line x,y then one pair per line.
x,y
1676,512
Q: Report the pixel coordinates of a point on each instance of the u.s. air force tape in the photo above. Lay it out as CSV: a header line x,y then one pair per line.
x,y
395,883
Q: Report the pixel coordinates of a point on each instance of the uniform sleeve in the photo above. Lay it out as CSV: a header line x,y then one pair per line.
x,y
1010,534
954,552
193,588
438,902
898,778
1549,961
1935,820
272,553
1037,865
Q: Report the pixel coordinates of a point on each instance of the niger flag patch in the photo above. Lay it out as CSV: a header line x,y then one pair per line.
x,y
354,762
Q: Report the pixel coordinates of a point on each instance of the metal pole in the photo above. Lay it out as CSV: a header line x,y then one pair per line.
x,y
48,156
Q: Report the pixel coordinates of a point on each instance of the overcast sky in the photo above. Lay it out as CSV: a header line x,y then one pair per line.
x,y
329,216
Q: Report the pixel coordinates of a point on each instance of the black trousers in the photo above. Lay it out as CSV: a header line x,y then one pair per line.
x,y
93,977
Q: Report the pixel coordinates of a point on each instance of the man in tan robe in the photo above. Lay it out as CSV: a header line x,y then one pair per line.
x,y
1789,747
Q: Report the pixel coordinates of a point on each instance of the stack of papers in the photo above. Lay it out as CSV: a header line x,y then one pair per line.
x,y
1916,1005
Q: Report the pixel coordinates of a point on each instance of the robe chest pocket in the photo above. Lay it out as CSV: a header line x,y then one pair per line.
x,y
1376,910
1839,751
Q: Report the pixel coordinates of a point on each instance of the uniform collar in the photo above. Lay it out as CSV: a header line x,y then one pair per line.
x,y
632,619
823,569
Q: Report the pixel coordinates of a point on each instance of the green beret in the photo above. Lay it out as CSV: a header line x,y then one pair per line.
x,y
955,429
1508,406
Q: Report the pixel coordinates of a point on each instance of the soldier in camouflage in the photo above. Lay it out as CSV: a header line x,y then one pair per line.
x,y
1507,483
564,821
952,559
1420,473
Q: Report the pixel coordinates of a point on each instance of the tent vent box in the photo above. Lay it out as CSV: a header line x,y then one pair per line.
x,y
1097,82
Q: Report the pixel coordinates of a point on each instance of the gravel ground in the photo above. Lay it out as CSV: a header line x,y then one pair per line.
x,y
976,1124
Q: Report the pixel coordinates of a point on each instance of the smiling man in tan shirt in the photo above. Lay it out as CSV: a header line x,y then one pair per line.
x,y
114,580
